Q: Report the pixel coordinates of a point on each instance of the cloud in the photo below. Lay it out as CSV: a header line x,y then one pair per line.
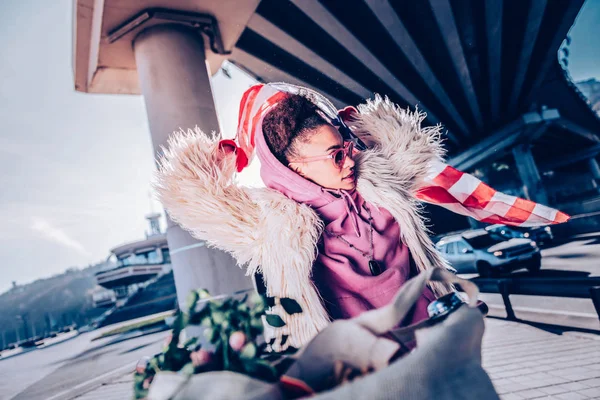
x,y
56,235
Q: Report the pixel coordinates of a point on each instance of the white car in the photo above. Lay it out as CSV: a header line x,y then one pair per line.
x,y
488,255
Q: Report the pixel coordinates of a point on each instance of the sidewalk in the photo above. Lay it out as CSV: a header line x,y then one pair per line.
x,y
529,363
120,388
524,363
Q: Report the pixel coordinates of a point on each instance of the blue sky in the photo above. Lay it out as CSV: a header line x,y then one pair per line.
x,y
584,59
76,167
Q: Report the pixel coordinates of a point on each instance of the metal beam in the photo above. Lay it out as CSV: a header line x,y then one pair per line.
x,y
442,12
534,21
259,69
390,20
527,128
322,17
572,158
491,147
280,38
559,34
577,129
493,29
548,116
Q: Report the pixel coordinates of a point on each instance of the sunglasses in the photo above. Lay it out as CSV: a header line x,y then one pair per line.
x,y
337,156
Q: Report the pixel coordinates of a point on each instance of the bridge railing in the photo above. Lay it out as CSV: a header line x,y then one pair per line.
x,y
581,288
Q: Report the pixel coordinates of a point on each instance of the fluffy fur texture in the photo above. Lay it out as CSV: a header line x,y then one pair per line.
x,y
263,230
391,171
269,233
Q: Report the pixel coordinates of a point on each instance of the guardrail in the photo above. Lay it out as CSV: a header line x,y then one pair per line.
x,y
581,288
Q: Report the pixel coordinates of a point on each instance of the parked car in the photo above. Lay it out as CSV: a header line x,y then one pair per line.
x,y
487,254
542,235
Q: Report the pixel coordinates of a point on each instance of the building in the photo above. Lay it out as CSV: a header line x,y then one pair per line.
x,y
134,266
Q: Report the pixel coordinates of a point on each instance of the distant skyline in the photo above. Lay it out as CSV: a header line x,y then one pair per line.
x,y
76,168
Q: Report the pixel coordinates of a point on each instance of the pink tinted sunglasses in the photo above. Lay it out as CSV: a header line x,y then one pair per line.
x,y
338,156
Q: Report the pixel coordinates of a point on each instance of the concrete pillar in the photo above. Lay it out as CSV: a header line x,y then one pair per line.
x,y
175,83
530,176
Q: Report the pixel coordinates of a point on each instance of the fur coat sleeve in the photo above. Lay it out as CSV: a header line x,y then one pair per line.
x,y
263,230
391,171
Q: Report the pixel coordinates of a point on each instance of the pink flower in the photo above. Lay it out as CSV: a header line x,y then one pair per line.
x,y
200,357
146,383
140,367
237,340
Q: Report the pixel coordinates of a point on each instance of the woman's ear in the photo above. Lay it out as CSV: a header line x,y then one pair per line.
x,y
297,170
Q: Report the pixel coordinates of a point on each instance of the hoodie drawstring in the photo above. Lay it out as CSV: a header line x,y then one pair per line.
x,y
349,202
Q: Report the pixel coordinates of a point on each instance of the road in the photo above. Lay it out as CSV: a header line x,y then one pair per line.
x,y
43,373
578,258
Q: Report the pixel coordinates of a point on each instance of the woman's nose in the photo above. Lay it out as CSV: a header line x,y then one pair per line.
x,y
349,162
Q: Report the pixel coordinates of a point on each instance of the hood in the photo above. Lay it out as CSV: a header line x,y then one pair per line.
x,y
279,177
339,208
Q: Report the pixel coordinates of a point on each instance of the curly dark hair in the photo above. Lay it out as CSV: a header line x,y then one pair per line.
x,y
291,121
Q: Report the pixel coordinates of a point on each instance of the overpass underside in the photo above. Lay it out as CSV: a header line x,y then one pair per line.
x,y
486,70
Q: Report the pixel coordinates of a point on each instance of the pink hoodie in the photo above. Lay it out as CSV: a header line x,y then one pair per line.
x,y
341,273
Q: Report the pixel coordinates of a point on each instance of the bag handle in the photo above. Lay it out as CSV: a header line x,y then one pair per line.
x,y
384,319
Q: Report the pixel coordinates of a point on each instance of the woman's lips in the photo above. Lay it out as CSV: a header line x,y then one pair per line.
x,y
349,176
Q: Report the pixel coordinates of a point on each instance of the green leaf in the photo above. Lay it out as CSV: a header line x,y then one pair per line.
x,y
275,320
218,317
284,339
196,318
270,301
215,336
290,306
153,363
188,369
203,293
248,351
256,323
191,300
258,309
256,298
225,349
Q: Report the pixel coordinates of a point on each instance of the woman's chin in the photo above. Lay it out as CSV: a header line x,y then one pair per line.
x,y
348,184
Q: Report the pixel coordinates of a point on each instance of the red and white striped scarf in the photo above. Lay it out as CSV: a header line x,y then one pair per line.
x,y
445,186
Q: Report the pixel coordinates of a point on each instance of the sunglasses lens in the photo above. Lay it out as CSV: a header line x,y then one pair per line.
x,y
339,158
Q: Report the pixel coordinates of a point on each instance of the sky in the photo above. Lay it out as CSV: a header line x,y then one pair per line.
x,y
76,168
584,58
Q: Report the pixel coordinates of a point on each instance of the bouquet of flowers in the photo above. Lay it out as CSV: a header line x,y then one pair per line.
x,y
361,357
233,328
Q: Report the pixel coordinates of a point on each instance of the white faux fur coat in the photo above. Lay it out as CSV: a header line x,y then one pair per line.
x,y
269,233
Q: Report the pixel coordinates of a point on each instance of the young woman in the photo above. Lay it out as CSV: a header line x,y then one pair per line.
x,y
336,229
